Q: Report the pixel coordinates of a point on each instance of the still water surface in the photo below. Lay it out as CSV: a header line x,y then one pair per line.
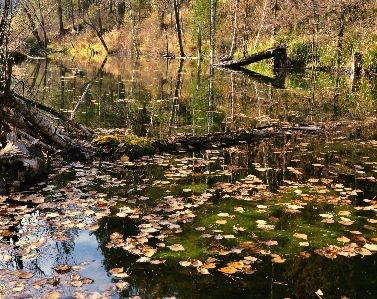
x,y
269,193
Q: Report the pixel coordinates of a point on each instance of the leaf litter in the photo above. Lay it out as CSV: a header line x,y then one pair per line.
x,y
78,205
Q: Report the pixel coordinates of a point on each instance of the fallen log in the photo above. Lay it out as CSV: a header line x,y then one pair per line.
x,y
117,145
21,163
279,53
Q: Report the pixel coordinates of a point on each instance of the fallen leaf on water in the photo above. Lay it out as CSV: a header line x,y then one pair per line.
x,y
237,265
122,285
53,295
176,247
87,280
75,277
300,236
125,158
18,288
305,254
117,270
278,259
221,221
369,227
121,275
319,292
76,283
328,220
344,213
223,214
343,239
209,265
62,269
271,242
228,270
371,247
25,275
202,270
157,262
185,263
355,232
143,259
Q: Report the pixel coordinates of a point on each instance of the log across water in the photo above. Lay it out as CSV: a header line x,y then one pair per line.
x,y
279,53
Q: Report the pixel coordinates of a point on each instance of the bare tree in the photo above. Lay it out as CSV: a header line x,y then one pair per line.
x,y
176,6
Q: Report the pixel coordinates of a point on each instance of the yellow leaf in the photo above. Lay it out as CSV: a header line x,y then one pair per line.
x,y
343,239
228,270
125,158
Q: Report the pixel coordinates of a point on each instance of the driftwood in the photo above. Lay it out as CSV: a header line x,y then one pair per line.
x,y
279,53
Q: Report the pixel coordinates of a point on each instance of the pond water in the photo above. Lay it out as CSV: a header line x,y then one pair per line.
x,y
292,216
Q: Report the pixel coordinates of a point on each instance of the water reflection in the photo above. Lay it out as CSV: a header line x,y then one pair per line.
x,y
162,98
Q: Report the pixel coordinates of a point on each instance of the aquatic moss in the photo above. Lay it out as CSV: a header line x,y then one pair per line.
x,y
131,144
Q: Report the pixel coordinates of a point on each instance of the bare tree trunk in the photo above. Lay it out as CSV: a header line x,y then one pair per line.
x,y
261,25
199,45
120,10
178,26
42,23
340,35
98,32
4,21
275,8
212,38
33,27
314,34
72,16
175,107
5,63
133,31
234,38
60,16
99,18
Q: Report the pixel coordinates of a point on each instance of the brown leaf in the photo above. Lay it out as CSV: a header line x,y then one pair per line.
x,y
62,269
53,295
25,275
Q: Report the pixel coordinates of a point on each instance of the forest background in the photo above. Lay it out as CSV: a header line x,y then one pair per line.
x,y
318,33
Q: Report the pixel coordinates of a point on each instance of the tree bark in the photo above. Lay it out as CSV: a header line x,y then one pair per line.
x,y
178,26
60,17
133,31
33,28
41,124
234,37
120,10
4,21
212,37
279,53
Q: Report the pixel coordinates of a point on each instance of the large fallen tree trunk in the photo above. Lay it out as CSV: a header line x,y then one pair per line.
x,y
39,123
279,53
